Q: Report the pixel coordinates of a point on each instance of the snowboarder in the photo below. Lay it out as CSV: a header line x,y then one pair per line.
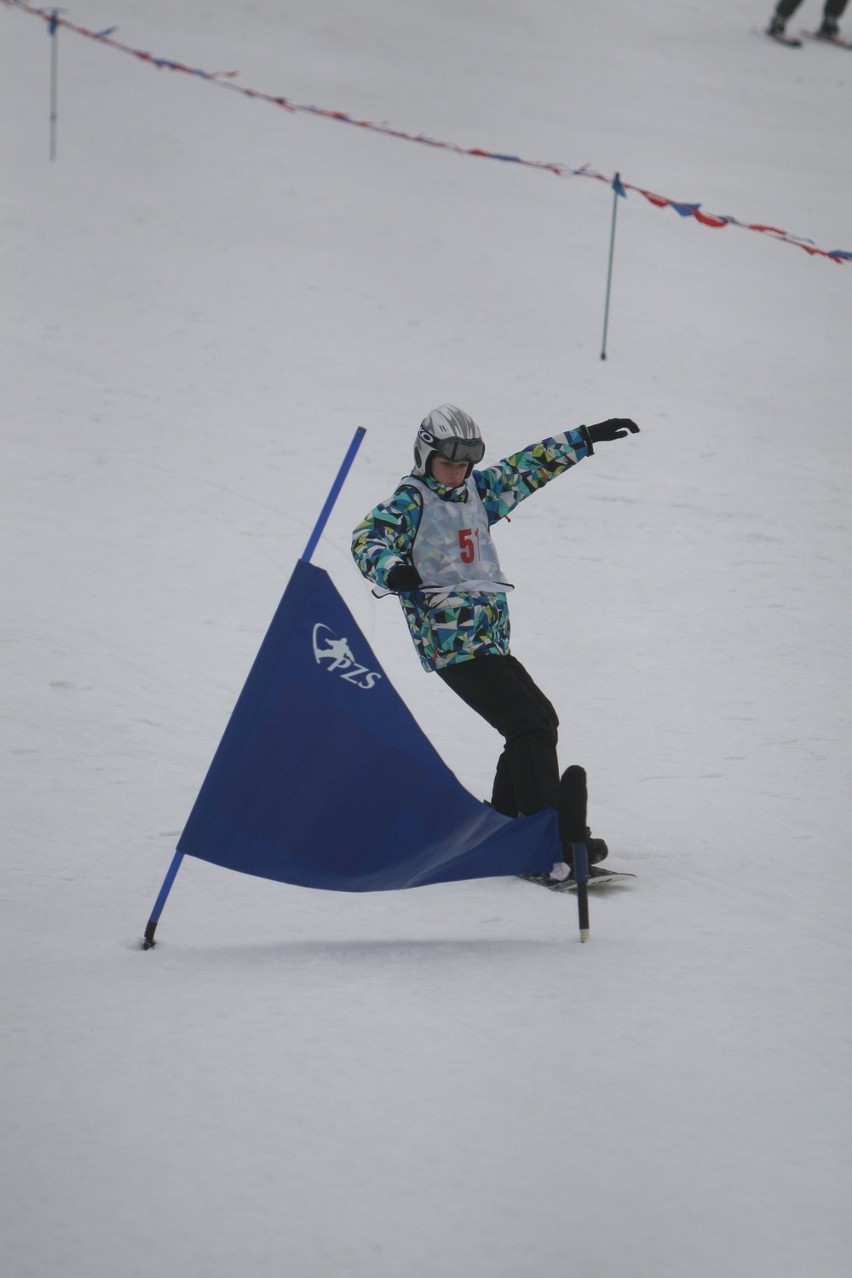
x,y
431,544
785,9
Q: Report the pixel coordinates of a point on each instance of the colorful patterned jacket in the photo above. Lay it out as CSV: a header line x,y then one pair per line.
x,y
474,624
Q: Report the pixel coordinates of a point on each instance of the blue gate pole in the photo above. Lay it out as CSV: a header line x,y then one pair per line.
x,y
345,466
334,493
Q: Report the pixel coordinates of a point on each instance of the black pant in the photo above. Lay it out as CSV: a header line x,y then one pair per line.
x,y
499,689
833,8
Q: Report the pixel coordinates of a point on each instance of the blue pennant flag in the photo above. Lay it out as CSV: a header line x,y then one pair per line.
x,y
324,779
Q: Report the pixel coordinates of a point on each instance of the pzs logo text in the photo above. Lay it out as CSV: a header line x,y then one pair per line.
x,y
338,654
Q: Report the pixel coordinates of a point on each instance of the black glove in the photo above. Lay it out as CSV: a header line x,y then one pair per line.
x,y
404,577
613,428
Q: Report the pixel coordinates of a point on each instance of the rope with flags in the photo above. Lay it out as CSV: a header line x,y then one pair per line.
x,y
227,80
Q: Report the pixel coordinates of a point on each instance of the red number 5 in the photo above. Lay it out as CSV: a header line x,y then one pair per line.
x,y
467,549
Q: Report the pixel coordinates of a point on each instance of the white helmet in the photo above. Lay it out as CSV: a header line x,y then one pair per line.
x,y
452,434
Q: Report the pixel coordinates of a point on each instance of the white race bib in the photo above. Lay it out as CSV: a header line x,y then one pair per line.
x,y
453,547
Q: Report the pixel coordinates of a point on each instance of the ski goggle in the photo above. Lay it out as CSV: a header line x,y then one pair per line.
x,y
454,449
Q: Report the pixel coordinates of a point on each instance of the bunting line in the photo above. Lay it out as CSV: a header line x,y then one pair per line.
x,y
227,80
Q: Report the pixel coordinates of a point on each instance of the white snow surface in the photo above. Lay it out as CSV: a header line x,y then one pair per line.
x,y
203,296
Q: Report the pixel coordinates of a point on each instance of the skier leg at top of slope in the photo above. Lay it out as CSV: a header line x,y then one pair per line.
x,y
430,543
830,18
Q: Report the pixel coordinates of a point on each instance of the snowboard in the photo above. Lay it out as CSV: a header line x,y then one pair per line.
x,y
598,878
792,42
837,40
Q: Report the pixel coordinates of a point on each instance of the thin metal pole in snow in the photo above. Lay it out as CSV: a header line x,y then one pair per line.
x,y
148,941
52,29
616,185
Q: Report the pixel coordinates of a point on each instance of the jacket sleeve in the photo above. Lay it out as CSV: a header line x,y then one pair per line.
x,y
503,486
385,537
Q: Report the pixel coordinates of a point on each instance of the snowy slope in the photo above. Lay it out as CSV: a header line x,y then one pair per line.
x,y
203,296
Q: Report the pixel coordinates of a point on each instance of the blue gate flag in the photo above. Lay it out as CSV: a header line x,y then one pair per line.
x,y
324,779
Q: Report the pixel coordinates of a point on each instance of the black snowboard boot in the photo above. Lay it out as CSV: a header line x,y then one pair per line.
x,y
573,802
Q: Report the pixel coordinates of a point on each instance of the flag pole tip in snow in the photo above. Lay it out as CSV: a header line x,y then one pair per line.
x,y
148,940
583,910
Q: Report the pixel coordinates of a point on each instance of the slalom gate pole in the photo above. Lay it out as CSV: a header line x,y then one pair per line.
x,y
580,859
616,185
148,942
52,30
334,493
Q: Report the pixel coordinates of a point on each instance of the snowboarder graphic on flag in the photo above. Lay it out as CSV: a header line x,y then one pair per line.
x,y
430,544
